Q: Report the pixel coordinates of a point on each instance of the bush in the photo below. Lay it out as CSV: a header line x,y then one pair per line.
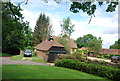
x,y
82,51
96,69
100,56
29,47
86,60
107,56
70,56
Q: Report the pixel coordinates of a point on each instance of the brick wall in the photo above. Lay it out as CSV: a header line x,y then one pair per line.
x,y
42,54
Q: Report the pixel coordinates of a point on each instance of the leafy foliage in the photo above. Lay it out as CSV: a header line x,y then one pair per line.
x,y
116,45
43,29
95,45
85,7
67,27
96,69
90,41
81,51
16,33
81,58
83,41
65,41
90,7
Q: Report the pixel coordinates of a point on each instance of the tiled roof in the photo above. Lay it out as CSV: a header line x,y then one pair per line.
x,y
106,51
110,51
72,43
46,45
85,48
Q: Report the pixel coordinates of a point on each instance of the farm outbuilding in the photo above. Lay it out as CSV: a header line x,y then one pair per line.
x,y
50,49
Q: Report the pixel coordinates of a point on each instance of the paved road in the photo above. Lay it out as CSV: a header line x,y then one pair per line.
x,y
7,60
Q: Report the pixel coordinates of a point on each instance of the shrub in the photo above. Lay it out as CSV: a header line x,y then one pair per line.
x,y
29,47
81,51
107,56
100,56
96,69
86,60
70,56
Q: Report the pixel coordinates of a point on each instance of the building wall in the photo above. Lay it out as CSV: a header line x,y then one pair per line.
x,y
42,54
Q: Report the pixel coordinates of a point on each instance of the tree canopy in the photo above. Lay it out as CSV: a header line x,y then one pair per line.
x,y
76,6
15,30
95,44
67,26
91,42
43,28
86,6
65,41
83,41
116,45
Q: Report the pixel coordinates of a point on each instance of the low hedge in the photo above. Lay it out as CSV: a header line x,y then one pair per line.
x,y
108,56
96,69
86,60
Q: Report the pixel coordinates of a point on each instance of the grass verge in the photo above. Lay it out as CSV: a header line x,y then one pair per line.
x,y
43,72
35,59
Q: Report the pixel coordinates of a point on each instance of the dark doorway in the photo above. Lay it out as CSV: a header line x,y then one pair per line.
x,y
52,57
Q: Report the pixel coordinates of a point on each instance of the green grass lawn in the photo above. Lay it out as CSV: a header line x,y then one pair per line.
x,y
4,54
43,72
17,57
35,58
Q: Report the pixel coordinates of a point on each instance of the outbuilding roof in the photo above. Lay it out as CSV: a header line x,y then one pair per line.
x,y
110,51
106,51
71,42
46,45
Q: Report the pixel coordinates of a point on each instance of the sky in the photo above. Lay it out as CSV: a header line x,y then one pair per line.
x,y
104,24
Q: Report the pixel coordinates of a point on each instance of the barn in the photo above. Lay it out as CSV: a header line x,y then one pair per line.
x,y
50,49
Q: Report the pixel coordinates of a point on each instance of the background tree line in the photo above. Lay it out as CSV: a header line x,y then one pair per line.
x,y
91,42
16,33
116,45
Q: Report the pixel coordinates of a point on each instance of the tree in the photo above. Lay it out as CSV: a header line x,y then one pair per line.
x,y
83,41
90,7
65,41
14,30
95,45
43,29
86,6
116,45
67,27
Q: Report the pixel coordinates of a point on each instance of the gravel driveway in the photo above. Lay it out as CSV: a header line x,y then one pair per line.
x,y
7,60
100,59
